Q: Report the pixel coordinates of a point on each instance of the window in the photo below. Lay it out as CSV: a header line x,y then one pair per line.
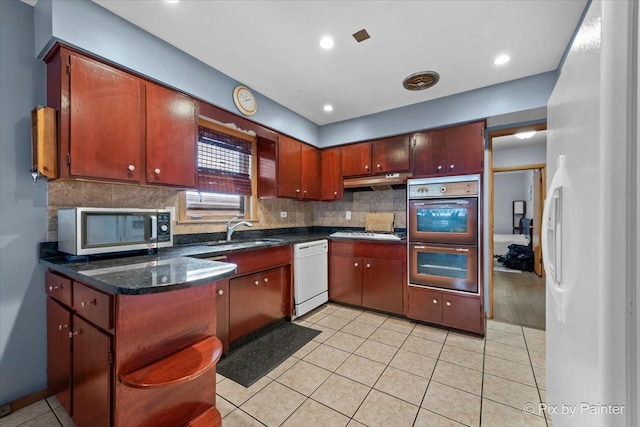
x,y
225,169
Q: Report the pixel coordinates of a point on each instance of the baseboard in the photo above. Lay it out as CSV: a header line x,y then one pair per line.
x,y
23,401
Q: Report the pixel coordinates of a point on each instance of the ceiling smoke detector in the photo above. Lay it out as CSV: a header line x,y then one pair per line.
x,y
421,80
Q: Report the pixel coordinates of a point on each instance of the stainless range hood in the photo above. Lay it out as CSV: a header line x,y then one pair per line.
x,y
377,182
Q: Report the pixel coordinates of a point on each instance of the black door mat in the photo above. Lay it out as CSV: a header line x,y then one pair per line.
x,y
254,359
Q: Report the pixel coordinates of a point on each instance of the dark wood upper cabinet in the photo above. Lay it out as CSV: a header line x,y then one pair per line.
x,y
171,137
356,159
456,150
105,115
380,156
390,154
331,174
289,167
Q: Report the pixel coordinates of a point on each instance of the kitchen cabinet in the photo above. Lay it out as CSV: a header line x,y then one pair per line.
x,y
255,301
456,150
446,308
332,187
121,360
373,157
115,126
171,137
368,274
257,295
298,169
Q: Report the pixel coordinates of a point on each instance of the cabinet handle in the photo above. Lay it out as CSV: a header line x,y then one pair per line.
x,y
87,304
366,167
53,288
452,166
368,265
448,303
220,292
304,192
435,301
335,193
297,190
71,334
257,282
439,167
379,166
61,327
132,168
355,264
157,171
266,279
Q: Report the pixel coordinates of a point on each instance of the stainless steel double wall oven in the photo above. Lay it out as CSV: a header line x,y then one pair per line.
x,y
443,232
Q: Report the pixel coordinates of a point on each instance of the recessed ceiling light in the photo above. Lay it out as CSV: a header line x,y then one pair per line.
x,y
525,135
328,108
326,42
502,59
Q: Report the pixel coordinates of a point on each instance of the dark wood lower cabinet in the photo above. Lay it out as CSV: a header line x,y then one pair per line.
x,y
59,352
91,375
368,274
446,308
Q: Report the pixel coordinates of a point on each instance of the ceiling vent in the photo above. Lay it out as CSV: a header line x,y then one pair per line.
x,y
361,35
421,80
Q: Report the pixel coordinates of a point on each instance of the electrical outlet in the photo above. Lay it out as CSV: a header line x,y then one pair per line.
x,y
348,215
283,214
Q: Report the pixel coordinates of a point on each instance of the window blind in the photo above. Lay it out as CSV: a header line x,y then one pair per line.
x,y
224,163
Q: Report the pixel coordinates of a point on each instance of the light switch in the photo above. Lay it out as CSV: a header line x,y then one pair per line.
x,y
283,214
348,215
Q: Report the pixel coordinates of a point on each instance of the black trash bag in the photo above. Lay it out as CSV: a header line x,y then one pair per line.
x,y
519,257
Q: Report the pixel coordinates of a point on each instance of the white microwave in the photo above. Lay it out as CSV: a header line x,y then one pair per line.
x,y
89,231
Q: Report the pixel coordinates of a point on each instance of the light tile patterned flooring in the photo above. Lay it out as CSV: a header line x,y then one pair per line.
x,y
368,369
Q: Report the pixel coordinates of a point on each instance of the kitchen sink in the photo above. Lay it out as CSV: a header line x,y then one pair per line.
x,y
223,245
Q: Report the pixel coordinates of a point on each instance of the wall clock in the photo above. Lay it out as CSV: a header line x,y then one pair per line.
x,y
245,100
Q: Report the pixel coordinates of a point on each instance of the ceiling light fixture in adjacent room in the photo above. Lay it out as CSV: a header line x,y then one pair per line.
x,y
525,135
328,108
172,1
326,42
421,80
501,59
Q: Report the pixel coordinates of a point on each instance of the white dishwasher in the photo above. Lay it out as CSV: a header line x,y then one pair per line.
x,y
310,276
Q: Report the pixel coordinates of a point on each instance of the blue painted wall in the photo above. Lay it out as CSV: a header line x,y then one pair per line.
x,y
23,209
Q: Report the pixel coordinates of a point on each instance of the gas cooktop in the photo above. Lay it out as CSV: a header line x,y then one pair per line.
x,y
366,235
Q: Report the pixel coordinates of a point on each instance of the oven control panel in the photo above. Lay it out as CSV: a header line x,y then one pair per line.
x,y
442,189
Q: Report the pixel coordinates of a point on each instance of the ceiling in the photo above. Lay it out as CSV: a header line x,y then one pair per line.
x,y
272,46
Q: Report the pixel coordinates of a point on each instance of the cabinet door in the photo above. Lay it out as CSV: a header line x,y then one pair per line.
x,y
382,284
430,153
245,302
106,121
59,352
332,187
463,312
390,154
424,304
171,137
356,159
222,312
91,375
273,295
310,172
465,148
289,167
345,279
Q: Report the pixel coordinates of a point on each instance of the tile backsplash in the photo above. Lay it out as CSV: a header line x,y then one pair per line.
x,y
63,193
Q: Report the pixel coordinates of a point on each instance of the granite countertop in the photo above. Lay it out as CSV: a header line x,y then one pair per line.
x,y
172,268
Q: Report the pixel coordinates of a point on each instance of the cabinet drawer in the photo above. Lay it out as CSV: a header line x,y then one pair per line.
x,y
58,288
93,305
262,259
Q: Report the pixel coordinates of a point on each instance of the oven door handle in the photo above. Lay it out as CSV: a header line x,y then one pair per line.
x,y
440,248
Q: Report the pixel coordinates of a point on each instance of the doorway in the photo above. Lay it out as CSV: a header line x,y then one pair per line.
x,y
516,195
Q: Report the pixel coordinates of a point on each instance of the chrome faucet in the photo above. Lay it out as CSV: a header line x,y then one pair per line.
x,y
232,228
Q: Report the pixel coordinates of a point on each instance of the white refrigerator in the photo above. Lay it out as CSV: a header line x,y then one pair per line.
x,y
590,225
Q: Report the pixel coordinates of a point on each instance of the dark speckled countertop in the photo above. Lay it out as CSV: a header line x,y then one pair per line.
x,y
169,269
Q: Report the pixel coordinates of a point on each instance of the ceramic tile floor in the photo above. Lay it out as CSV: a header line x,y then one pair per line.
x,y
368,369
